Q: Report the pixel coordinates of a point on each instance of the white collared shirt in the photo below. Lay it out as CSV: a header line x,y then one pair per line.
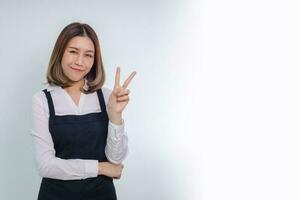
x,y
50,166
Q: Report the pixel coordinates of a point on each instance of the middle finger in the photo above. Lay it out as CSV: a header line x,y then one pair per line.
x,y
123,92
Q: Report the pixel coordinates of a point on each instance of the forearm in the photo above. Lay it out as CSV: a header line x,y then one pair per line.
x,y
116,148
50,166
68,169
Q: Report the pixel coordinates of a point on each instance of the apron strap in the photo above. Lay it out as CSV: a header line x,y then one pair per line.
x,y
51,106
101,100
50,103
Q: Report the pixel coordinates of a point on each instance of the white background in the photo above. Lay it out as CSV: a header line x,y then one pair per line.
x,y
214,110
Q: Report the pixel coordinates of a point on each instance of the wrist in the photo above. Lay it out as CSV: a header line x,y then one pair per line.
x,y
101,168
115,118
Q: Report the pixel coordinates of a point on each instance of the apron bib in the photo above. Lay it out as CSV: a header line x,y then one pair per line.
x,y
78,137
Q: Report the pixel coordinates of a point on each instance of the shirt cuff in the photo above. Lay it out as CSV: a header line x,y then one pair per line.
x,y
91,168
117,130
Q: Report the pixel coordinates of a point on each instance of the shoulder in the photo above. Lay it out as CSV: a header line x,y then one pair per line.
x,y
38,96
106,92
39,102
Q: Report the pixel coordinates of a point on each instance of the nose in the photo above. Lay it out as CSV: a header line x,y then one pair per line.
x,y
79,60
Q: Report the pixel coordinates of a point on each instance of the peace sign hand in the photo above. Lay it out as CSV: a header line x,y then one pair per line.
x,y
119,98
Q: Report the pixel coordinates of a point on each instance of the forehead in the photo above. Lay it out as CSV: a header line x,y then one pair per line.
x,y
82,43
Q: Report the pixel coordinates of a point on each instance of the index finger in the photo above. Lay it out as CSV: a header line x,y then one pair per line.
x,y
126,83
117,78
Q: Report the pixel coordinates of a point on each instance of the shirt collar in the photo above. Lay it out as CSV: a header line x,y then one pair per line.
x,y
51,87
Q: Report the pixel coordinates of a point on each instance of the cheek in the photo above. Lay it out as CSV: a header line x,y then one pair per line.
x,y
66,61
90,64
64,66
88,70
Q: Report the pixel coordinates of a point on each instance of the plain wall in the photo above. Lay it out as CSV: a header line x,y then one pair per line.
x,y
136,35
214,110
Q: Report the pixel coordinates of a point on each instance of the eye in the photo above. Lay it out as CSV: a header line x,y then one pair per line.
x,y
89,55
72,51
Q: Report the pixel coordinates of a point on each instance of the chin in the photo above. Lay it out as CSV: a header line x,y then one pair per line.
x,y
76,79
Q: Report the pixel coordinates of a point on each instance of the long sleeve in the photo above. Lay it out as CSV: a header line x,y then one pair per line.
x,y
116,149
48,165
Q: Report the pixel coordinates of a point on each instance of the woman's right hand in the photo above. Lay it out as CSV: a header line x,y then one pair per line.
x,y
109,169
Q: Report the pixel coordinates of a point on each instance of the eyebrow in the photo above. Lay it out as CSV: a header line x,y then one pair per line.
x,y
78,49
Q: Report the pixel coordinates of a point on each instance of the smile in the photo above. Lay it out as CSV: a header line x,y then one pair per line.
x,y
78,70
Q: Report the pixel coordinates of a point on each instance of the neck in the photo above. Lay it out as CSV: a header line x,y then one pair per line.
x,y
75,87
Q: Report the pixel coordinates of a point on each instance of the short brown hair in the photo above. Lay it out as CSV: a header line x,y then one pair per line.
x,y
95,77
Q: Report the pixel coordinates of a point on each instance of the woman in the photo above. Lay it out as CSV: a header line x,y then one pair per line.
x,y
77,124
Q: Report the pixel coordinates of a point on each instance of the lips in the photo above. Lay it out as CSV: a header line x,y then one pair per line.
x,y
78,70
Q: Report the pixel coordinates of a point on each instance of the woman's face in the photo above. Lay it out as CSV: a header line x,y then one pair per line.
x,y
78,58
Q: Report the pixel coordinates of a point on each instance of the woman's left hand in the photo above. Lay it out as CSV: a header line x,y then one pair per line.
x,y
119,98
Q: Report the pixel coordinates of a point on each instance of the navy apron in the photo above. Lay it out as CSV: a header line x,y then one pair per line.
x,y
78,137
